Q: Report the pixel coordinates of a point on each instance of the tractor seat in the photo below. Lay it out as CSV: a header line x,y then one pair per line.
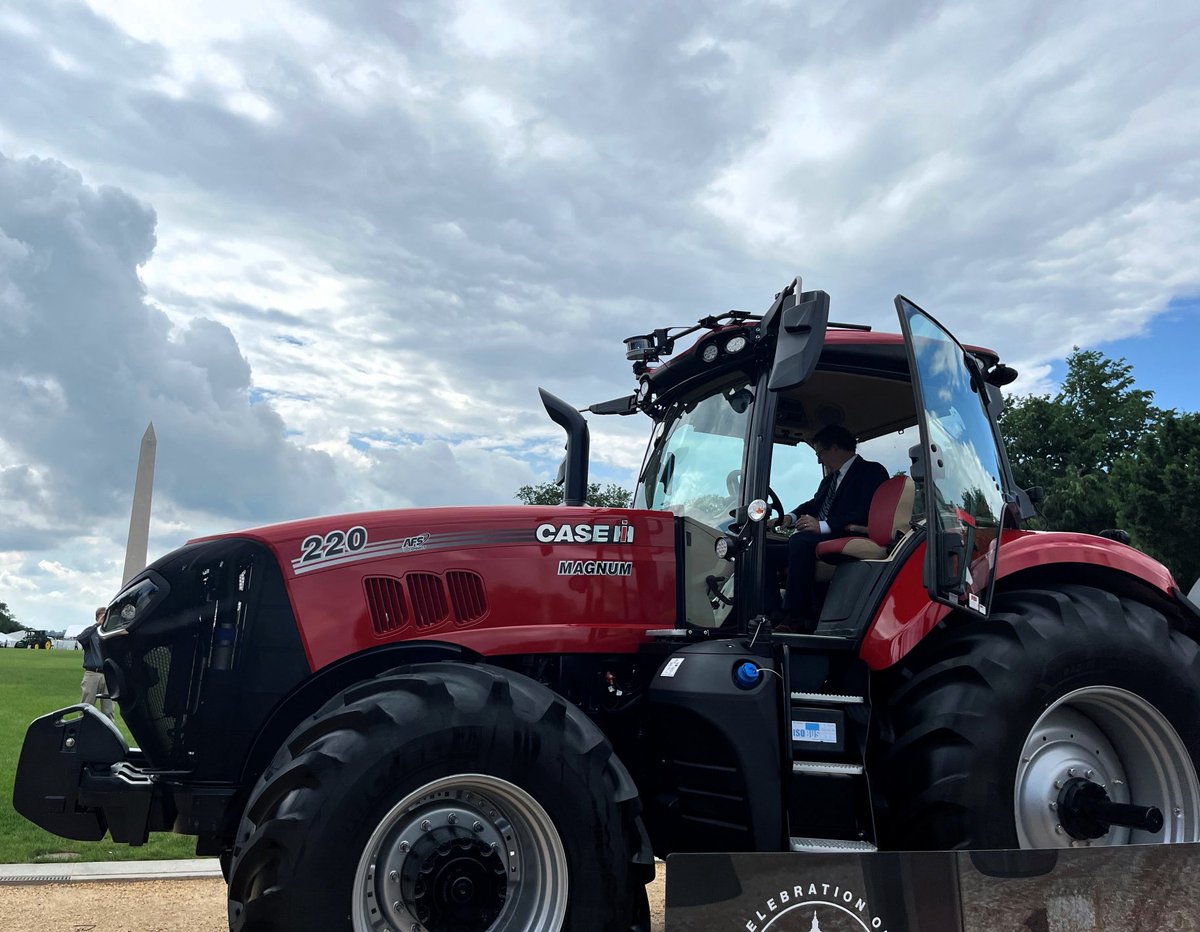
x,y
891,512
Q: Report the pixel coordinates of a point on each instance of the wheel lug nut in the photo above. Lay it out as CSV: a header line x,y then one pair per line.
x,y
1058,830
452,819
404,847
426,825
1053,807
394,877
396,906
1090,774
477,827
1070,771
1058,784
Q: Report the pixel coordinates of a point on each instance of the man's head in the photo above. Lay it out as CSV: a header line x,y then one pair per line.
x,y
833,445
100,612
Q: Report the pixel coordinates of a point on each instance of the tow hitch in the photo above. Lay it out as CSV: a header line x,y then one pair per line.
x,y
1086,812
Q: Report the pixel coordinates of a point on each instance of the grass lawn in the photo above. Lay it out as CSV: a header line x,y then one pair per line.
x,y
32,683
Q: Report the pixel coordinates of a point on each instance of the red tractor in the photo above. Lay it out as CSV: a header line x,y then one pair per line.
x,y
445,719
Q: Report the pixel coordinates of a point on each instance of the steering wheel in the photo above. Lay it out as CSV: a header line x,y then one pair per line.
x,y
733,485
774,504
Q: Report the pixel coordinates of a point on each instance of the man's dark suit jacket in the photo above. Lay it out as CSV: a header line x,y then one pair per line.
x,y
852,501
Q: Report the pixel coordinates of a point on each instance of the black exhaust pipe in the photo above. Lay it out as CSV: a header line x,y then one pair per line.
x,y
576,461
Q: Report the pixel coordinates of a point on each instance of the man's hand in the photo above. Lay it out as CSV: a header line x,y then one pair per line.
x,y
807,523
787,521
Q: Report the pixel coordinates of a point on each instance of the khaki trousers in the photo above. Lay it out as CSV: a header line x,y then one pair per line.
x,y
93,685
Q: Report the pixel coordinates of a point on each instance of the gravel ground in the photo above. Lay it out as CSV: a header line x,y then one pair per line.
x,y
146,906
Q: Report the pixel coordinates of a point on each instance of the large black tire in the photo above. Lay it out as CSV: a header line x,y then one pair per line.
x,y
496,804
985,722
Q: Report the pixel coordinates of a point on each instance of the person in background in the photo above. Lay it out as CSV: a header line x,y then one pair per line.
x,y
93,684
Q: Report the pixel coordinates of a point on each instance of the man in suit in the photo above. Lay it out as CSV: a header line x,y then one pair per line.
x,y
840,508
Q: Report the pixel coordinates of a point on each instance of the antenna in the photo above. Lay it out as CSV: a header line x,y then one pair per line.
x,y
139,516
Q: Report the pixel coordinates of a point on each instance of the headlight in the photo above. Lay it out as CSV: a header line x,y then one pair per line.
x,y
130,606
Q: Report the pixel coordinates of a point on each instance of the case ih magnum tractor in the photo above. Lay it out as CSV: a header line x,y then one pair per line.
x,y
445,719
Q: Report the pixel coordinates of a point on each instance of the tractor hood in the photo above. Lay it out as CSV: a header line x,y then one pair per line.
x,y
495,579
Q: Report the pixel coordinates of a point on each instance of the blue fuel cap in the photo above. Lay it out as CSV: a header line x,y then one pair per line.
x,y
747,674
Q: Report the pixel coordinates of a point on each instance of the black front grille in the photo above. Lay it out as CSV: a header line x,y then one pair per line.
x,y
204,668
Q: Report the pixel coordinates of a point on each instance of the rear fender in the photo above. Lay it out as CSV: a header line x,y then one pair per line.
x,y
1027,558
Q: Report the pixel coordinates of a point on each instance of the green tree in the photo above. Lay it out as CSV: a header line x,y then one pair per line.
x,y
8,624
1069,443
1159,494
1107,457
550,493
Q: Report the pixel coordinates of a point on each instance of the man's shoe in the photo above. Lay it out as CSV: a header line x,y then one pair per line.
x,y
785,622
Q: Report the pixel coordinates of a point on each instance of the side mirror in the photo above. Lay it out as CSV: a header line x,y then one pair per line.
x,y
622,406
917,467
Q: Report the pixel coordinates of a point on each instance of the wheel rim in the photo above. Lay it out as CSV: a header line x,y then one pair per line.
x,y
470,851
1114,738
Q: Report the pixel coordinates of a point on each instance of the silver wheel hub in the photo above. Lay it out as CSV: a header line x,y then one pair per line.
x,y
1119,741
467,851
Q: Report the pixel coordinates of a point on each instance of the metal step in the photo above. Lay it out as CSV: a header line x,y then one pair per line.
x,y
826,767
831,845
816,698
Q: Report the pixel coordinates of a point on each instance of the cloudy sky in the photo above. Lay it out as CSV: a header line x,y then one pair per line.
x,y
332,248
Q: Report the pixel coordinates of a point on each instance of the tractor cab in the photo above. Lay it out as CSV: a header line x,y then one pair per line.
x,y
729,454
734,416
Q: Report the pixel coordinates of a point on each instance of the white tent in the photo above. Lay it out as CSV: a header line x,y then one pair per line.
x,y
72,632
8,640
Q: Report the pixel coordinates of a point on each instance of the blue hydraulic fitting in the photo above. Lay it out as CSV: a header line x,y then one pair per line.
x,y
747,674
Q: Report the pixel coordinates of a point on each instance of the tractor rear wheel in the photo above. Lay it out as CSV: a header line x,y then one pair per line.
x,y
1015,731
443,797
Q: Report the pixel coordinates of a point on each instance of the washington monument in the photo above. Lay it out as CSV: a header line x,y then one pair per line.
x,y
139,516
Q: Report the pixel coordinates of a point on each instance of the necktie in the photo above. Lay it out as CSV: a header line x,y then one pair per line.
x,y
823,513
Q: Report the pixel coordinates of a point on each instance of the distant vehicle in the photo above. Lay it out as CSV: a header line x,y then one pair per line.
x,y
34,640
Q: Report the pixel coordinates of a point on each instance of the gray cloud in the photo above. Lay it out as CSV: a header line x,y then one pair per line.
x,y
86,361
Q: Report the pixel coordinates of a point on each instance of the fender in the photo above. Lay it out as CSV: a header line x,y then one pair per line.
x,y
327,682
906,614
1023,550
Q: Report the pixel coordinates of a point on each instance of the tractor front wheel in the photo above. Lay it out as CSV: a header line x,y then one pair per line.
x,y
1070,717
443,797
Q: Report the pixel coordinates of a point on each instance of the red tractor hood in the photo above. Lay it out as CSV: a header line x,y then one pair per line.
x,y
506,579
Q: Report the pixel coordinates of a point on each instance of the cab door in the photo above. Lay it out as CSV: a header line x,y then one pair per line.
x,y
957,464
